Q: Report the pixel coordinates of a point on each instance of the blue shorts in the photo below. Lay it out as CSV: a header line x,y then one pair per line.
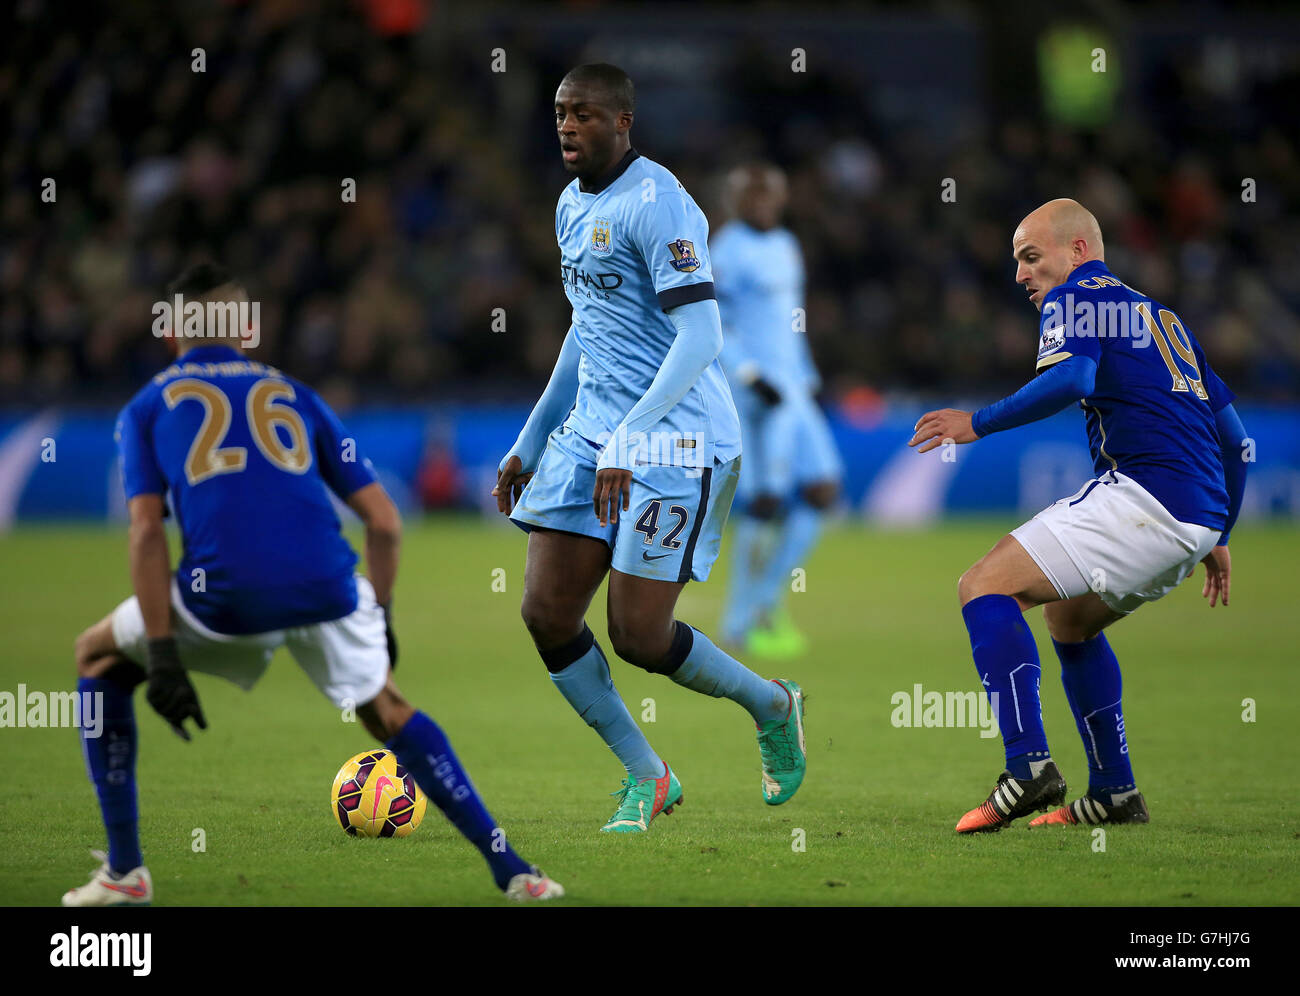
x,y
786,445
673,527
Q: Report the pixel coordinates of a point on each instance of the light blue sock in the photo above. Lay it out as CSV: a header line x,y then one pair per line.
x,y
797,535
581,673
740,612
707,670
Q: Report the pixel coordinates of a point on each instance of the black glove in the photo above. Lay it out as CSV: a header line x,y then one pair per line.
x,y
768,394
169,691
388,634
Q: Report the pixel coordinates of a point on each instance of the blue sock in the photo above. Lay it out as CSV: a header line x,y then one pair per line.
x,y
1007,661
796,536
707,670
110,762
423,749
739,614
1090,674
581,673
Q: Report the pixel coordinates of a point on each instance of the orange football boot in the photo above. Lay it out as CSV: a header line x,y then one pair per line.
x,y
1013,798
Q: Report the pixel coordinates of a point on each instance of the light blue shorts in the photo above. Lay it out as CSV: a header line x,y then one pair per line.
x,y
786,445
673,528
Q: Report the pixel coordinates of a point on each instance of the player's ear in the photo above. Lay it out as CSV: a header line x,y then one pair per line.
x,y
623,123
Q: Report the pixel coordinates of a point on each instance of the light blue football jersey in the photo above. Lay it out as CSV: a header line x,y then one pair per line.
x,y
632,248
760,284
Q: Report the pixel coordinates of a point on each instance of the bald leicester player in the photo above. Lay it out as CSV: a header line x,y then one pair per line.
x,y
1169,453
637,418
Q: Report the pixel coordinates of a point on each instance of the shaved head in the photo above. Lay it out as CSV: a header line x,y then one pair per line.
x,y
1050,242
1065,220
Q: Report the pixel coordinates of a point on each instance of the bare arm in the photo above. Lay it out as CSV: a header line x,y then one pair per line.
x,y
150,564
169,690
383,537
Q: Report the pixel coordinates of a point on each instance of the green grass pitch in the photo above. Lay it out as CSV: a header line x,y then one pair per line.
x,y
876,812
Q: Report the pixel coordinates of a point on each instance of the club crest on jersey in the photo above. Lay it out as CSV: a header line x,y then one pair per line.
x,y
684,258
601,242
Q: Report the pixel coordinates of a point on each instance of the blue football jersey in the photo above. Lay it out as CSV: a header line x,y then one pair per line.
x,y
246,454
1151,413
759,278
631,249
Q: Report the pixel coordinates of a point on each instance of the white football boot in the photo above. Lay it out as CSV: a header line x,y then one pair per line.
x,y
135,888
525,888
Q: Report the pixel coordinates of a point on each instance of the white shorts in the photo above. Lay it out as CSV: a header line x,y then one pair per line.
x,y
345,658
1114,538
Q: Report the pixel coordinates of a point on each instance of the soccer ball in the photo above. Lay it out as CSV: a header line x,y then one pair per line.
x,y
374,796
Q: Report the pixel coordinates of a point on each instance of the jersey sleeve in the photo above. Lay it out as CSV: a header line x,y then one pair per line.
x,y
342,465
141,474
672,235
1061,335
1220,396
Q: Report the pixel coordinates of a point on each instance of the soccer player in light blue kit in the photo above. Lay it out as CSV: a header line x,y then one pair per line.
x,y
792,468
1170,456
249,457
628,463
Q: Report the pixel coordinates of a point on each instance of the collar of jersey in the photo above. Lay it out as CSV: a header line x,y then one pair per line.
x,y
612,174
1085,270
205,354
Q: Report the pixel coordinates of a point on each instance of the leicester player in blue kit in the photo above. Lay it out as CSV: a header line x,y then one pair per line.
x,y
792,468
248,457
1170,456
628,463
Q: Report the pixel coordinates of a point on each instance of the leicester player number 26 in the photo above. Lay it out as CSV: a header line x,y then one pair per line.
x,y
265,412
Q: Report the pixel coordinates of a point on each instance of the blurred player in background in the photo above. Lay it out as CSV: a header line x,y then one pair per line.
x,y
1170,455
792,468
247,455
637,418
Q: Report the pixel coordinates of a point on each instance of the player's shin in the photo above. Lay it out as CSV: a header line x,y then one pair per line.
x,y
1091,676
581,673
1006,658
741,611
797,533
695,663
108,740
423,749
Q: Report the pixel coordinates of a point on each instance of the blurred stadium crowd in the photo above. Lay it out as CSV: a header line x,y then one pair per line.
x,y
457,172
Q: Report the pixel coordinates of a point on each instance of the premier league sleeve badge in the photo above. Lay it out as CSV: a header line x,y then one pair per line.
x,y
684,258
